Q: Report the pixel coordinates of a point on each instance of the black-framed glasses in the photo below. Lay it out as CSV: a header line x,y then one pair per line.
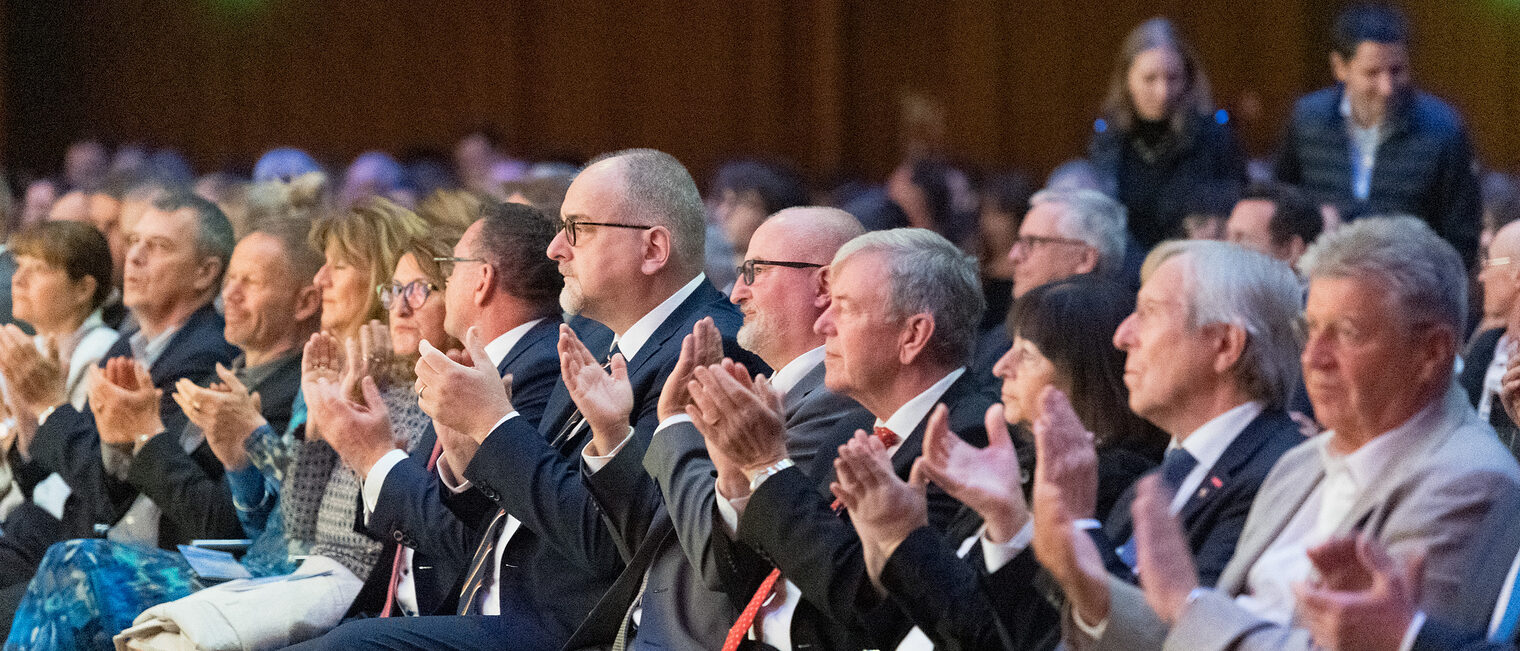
x,y
1029,242
747,270
569,226
415,293
446,263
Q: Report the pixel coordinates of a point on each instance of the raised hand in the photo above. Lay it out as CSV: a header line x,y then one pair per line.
x,y
1509,386
985,479
360,432
226,412
703,347
1164,562
36,381
1065,480
604,398
883,508
469,399
124,402
1374,603
740,419
321,360
369,355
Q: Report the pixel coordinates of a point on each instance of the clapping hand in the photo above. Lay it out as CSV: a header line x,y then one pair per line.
x,y
1364,599
35,380
125,402
1163,560
985,479
883,508
604,397
466,398
740,418
1065,485
226,412
321,361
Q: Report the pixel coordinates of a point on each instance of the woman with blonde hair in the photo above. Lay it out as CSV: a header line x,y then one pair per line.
x,y
1159,138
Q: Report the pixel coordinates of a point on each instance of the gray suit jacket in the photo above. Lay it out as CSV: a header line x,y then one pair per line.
x,y
1435,498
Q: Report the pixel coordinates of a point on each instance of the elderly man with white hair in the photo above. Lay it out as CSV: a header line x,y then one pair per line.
x,y
1405,462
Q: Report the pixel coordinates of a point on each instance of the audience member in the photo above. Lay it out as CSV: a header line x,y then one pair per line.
x,y
1488,354
284,164
742,194
1158,139
375,174
1406,462
1276,220
1374,141
1005,200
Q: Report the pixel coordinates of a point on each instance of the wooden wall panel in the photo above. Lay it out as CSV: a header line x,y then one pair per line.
x,y
820,82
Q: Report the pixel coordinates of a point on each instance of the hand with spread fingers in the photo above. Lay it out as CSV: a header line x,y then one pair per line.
x,y
985,479
360,432
604,397
883,508
321,360
741,419
1065,488
35,380
703,347
226,412
469,399
1364,600
125,403
1163,560
369,355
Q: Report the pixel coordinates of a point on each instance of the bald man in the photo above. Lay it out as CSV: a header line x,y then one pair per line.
x,y
1483,363
781,291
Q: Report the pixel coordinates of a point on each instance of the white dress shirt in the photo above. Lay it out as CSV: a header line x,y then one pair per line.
x,y
775,617
1208,443
374,482
1269,583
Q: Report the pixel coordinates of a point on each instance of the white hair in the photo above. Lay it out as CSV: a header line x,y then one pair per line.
x,y
926,273
1423,271
1094,218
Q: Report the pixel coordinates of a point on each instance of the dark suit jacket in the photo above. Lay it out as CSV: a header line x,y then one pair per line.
x,y
791,525
1474,366
69,444
1486,574
698,602
535,474
189,489
444,528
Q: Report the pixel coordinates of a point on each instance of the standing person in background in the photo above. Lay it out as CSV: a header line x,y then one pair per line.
x,y
1158,139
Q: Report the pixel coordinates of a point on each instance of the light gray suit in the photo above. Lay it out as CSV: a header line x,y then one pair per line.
x,y
1435,498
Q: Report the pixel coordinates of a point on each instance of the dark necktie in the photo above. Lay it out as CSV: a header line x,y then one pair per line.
x,y
1174,468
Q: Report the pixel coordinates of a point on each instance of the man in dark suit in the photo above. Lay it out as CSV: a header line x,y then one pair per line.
x,y
630,251
781,292
904,305
1238,434
500,284
170,280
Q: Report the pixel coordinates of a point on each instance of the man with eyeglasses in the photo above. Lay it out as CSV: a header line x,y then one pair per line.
x,y
1488,354
502,296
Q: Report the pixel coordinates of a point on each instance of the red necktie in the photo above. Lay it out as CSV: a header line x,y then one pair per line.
x,y
746,619
390,593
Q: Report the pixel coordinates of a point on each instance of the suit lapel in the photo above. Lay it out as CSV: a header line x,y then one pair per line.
x,y
804,387
673,325
544,329
1454,411
1237,454
1275,510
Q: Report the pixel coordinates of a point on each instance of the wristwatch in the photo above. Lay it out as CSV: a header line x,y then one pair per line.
x,y
766,472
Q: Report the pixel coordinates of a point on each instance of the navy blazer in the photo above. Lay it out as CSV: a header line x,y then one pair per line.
x,y
534,473
416,510
69,444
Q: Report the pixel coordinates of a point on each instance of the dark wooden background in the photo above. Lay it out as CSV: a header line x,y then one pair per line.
x,y
820,82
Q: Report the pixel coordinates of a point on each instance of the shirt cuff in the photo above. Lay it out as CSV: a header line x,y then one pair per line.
x,y
595,462
729,511
678,418
998,554
1093,631
1410,634
374,480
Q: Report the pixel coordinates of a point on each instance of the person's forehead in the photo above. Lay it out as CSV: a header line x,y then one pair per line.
x,y
157,221
1043,219
1371,54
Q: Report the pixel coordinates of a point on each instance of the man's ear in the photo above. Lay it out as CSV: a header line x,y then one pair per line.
x,y
208,273
308,303
481,292
917,330
1339,67
1089,260
821,288
1229,347
657,250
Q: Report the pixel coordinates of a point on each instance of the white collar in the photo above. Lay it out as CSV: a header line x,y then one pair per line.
x,y
907,417
789,375
1365,464
630,342
503,343
1209,441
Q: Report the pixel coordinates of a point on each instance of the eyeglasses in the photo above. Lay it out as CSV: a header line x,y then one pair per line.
x,y
747,270
415,293
446,263
1029,242
569,226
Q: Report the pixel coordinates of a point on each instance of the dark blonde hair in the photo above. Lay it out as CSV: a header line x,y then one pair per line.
x,y
1197,97
373,234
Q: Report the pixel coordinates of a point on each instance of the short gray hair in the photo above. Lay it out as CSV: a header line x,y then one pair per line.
x,y
1094,218
1424,272
658,188
926,273
1229,284
213,233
